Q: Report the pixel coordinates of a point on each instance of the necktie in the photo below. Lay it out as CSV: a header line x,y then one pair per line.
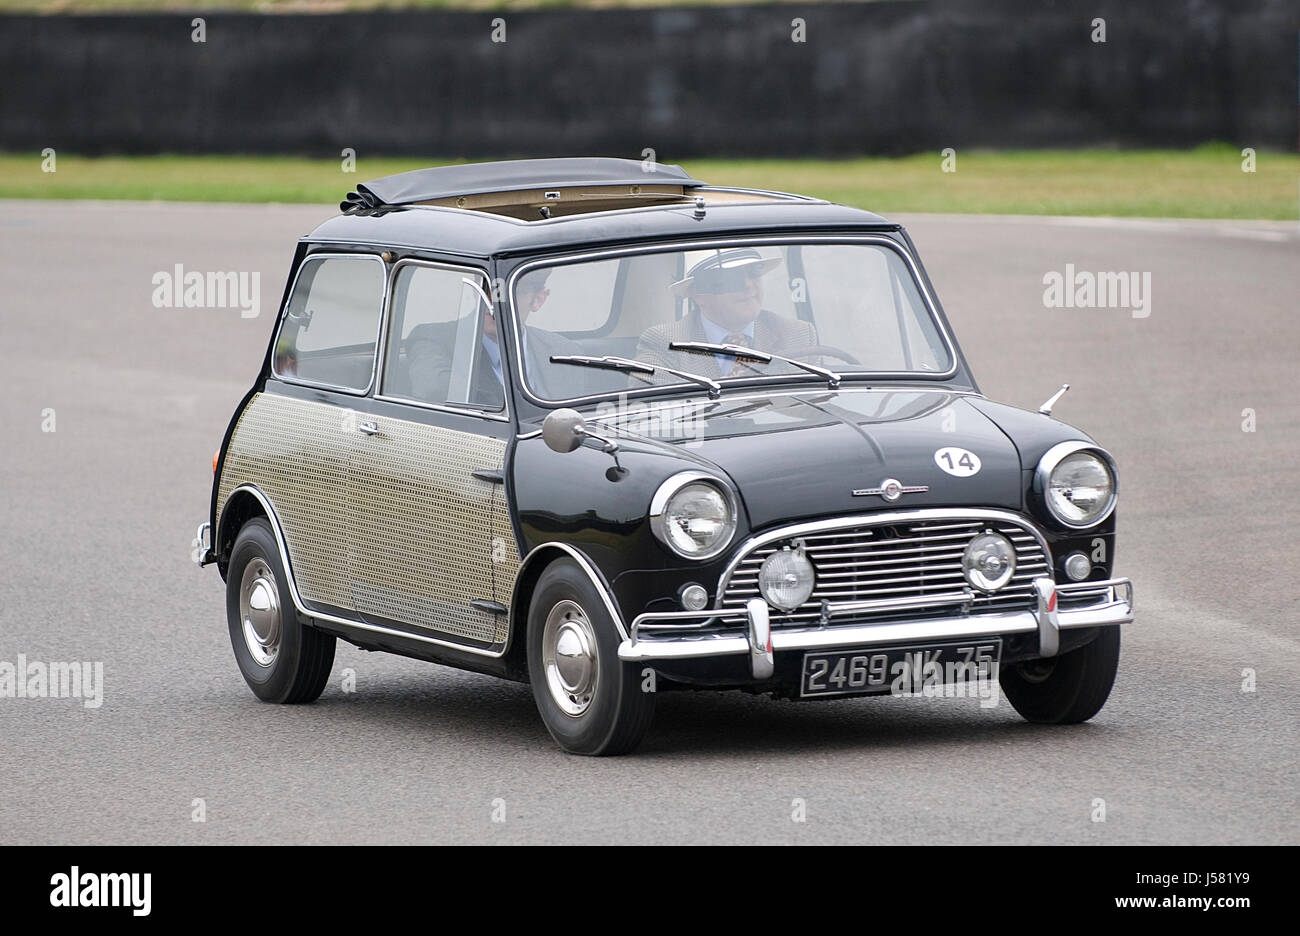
x,y
735,338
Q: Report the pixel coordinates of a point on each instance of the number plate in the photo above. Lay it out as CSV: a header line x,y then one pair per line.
x,y
840,672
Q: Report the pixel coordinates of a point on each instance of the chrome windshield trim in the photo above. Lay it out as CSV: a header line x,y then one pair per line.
x,y
931,306
882,518
283,315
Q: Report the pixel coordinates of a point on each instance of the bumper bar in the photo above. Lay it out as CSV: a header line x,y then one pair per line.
x,y
201,546
761,641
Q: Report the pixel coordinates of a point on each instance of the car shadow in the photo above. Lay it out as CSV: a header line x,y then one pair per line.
x,y
686,723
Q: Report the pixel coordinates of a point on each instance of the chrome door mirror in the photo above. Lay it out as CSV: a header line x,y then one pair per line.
x,y
564,429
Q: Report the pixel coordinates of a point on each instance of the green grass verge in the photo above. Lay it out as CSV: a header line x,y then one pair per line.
x,y
1207,182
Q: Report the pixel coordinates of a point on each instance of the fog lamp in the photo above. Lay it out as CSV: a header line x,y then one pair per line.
x,y
786,578
989,561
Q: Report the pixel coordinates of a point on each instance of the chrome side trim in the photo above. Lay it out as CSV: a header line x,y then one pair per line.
x,y
335,619
1053,457
282,315
923,290
882,518
587,567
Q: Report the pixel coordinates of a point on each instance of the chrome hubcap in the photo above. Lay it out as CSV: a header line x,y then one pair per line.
x,y
259,612
569,657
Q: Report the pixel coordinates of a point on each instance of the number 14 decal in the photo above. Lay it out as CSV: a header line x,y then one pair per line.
x,y
957,461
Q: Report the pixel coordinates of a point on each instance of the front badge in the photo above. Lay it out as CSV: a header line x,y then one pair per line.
x,y
891,490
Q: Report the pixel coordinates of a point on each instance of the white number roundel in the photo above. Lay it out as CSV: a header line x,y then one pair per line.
x,y
957,461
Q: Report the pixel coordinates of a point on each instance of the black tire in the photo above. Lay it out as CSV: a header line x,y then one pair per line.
x,y
1070,689
619,712
303,656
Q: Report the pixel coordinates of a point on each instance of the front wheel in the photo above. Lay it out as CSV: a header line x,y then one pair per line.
x,y
590,700
1067,689
281,659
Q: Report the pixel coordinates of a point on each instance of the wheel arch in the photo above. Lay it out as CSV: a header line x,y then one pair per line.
x,y
530,571
245,503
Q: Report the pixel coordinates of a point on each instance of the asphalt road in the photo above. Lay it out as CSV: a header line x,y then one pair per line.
x,y
97,517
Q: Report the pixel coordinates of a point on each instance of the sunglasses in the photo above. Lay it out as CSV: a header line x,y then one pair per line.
x,y
726,281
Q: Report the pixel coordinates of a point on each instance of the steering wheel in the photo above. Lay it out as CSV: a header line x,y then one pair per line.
x,y
830,350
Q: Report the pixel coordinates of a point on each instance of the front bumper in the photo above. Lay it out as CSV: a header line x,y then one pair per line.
x,y
667,635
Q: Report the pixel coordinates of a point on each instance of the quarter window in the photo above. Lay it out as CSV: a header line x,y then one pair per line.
x,y
331,324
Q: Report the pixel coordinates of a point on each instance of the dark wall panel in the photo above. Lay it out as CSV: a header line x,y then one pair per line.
x,y
886,77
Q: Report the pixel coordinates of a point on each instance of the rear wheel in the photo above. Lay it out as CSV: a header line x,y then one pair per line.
x,y
590,700
282,660
1067,689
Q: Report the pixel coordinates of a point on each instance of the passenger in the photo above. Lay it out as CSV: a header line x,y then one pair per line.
x,y
430,349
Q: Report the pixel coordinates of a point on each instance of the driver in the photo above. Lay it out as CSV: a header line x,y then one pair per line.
x,y
725,292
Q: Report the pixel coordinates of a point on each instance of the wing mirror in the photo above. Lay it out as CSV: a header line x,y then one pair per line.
x,y
564,430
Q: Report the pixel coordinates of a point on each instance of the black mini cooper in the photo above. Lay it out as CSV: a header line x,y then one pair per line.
x,y
596,425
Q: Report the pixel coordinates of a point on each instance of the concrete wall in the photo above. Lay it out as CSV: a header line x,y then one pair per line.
x,y
885,77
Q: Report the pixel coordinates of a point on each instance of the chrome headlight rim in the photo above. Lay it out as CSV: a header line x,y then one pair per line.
x,y
1053,458
669,489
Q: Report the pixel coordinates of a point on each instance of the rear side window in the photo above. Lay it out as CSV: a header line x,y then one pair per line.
x,y
331,324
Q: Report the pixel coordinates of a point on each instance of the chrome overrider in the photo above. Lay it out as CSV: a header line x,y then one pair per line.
x,y
676,635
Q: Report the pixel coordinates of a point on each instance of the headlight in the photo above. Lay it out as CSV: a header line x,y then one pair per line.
x,y
1078,484
693,515
786,578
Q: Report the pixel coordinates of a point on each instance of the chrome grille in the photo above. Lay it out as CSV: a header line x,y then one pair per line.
x,y
907,560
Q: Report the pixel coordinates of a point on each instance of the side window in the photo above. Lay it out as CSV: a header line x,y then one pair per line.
x,y
331,324
442,341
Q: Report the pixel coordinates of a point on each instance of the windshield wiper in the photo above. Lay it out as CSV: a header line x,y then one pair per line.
x,y
753,354
636,367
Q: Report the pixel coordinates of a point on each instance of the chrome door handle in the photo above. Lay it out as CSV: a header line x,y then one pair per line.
x,y
369,428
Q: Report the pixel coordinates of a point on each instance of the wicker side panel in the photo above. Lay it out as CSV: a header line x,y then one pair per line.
x,y
295,452
422,533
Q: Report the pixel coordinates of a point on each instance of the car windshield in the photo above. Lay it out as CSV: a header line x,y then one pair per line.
x,y
847,309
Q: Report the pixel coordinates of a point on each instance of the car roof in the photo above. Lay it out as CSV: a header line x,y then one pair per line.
x,y
489,209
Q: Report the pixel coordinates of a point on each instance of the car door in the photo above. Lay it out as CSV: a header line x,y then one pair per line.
x,y
427,464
